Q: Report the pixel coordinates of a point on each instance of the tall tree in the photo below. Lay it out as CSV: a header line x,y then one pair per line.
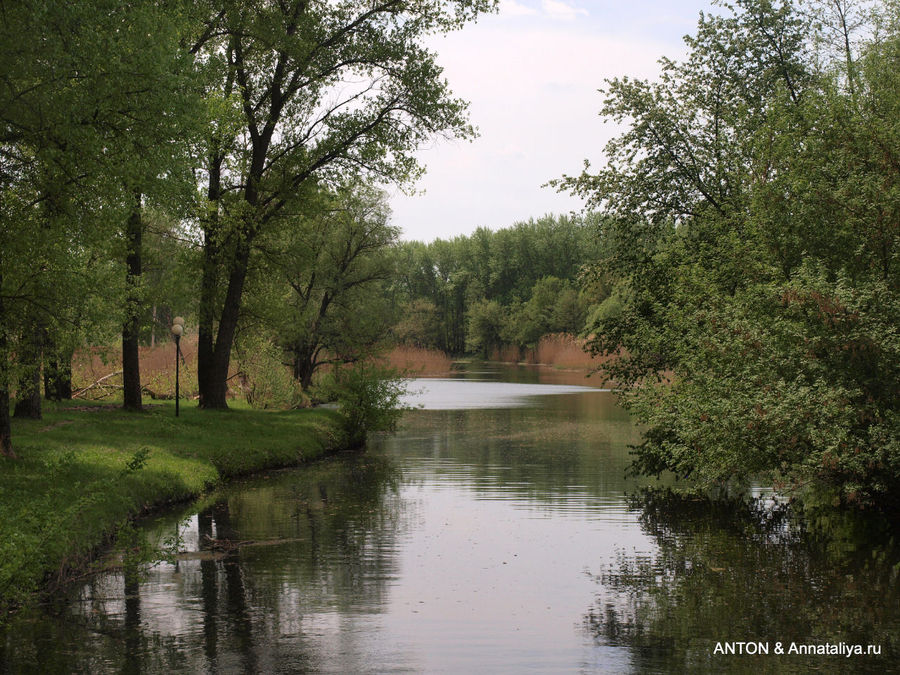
x,y
37,85
155,131
320,89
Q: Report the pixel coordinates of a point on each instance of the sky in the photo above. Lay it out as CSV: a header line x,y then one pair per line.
x,y
531,74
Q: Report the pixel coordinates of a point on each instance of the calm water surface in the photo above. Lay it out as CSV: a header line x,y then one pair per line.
x,y
494,533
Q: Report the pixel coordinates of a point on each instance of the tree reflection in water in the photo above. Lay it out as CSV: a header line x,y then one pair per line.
x,y
320,542
742,570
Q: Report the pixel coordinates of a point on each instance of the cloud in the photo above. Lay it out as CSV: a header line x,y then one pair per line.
x,y
557,9
513,8
532,81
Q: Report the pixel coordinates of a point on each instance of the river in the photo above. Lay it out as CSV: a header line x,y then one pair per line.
x,y
495,532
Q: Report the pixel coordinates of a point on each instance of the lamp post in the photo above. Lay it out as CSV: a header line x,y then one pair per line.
x,y
177,330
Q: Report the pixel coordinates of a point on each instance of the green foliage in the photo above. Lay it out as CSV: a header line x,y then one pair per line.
x,y
98,108
327,95
369,396
319,289
756,303
554,307
169,277
138,555
611,308
265,381
484,332
419,324
131,544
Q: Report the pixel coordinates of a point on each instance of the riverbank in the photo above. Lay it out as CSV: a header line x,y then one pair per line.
x,y
84,470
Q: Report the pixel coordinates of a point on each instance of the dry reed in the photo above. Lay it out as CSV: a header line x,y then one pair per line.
x,y
419,361
560,350
103,365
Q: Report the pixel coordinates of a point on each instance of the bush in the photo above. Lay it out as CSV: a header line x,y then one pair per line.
x,y
370,398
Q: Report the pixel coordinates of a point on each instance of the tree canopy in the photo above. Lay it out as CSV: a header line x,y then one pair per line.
x,y
313,93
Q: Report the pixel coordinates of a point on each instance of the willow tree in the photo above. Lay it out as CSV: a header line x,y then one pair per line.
x,y
309,93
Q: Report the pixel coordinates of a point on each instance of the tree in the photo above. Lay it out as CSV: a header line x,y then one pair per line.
x,y
485,327
751,198
170,259
442,281
316,91
81,109
418,325
53,103
324,275
156,128
554,307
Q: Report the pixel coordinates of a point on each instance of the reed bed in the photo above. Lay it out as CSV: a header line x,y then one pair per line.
x,y
559,350
562,350
419,361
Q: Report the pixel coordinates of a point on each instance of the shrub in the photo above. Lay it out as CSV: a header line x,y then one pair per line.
x,y
370,397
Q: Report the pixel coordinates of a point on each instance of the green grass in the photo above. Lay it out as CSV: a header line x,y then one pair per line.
x,y
72,487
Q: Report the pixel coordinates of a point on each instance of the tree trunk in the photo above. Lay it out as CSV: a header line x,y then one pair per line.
x,y
214,380
212,366
5,424
206,328
131,365
209,284
303,366
57,374
28,396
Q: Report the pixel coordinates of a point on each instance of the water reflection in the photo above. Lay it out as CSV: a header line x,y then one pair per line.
x,y
469,393
739,571
568,454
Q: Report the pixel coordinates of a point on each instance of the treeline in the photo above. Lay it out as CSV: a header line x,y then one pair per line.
x,y
755,237
207,159
472,294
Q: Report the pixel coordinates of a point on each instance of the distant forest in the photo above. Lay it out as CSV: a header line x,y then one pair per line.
x,y
472,294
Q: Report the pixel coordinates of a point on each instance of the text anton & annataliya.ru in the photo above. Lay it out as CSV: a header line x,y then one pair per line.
x,y
779,648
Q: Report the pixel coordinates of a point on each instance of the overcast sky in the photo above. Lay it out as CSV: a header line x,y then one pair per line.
x,y
531,74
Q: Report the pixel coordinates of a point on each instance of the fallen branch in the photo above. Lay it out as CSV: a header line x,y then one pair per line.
x,y
97,383
155,395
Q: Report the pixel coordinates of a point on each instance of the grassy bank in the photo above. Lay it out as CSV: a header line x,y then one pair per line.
x,y
83,470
